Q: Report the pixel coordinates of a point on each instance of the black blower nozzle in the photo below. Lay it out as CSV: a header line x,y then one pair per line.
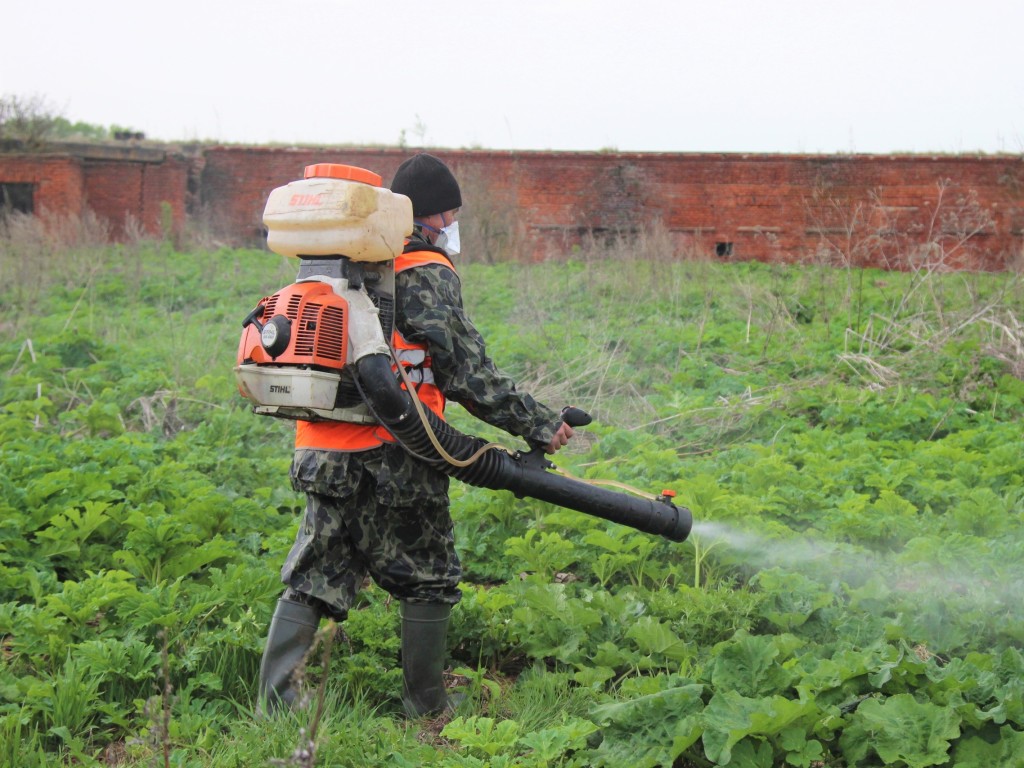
x,y
525,474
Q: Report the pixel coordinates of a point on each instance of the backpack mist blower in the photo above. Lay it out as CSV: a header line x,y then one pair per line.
x,y
318,349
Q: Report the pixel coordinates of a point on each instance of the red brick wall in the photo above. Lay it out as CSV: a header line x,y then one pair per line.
x,y
118,190
860,209
57,180
866,209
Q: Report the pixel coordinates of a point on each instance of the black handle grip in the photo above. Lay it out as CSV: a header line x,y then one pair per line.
x,y
575,417
251,318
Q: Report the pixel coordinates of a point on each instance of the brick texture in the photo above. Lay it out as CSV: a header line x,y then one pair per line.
x,y
861,209
57,181
147,195
870,210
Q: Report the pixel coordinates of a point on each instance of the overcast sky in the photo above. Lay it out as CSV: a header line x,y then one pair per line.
x,y
631,75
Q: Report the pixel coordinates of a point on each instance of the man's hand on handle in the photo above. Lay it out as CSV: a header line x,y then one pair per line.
x,y
571,417
561,438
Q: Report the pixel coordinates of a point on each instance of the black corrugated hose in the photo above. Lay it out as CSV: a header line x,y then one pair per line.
x,y
525,474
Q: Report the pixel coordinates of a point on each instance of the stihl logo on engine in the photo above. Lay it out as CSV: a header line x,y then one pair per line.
x,y
280,389
306,199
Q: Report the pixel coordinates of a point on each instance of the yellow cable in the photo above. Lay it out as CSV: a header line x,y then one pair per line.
x,y
418,405
610,483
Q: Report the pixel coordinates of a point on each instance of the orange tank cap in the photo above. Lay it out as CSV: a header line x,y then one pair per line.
x,y
668,493
346,172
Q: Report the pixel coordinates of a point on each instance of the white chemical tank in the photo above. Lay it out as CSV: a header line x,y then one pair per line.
x,y
337,210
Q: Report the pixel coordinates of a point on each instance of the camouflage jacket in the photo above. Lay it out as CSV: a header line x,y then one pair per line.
x,y
429,310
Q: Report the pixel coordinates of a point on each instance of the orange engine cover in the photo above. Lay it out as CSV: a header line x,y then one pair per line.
x,y
318,333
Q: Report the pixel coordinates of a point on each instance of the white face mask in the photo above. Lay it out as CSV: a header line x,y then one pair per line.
x,y
449,239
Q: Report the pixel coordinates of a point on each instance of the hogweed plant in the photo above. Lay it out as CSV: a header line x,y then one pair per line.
x,y
882,495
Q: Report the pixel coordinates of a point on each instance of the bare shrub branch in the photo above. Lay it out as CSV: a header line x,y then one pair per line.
x,y
29,119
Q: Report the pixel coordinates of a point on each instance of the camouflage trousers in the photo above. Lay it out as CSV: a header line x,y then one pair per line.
x,y
374,513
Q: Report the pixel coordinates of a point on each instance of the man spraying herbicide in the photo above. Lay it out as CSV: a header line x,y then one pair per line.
x,y
372,509
363,351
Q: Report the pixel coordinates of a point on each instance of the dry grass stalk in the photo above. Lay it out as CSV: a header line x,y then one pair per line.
x,y
1009,347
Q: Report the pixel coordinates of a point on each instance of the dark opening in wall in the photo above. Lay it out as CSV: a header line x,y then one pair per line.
x,y
17,196
723,249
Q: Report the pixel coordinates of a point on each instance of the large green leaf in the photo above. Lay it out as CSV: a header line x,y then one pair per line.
x,y
790,597
731,717
749,665
649,730
902,731
1006,751
657,638
483,735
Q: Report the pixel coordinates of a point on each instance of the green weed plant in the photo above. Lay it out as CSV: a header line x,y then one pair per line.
x,y
849,442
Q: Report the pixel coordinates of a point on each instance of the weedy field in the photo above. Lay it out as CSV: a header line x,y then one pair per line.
x,y
849,442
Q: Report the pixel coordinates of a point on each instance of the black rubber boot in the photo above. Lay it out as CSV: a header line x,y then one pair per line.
x,y
424,638
292,631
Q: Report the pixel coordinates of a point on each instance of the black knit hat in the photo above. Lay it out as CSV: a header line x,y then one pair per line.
x,y
429,184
